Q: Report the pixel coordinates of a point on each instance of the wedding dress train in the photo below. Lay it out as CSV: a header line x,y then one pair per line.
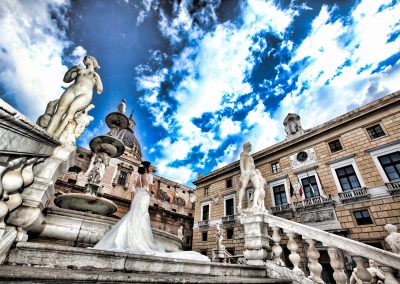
x,y
133,232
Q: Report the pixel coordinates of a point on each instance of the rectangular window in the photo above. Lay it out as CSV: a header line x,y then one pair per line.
x,y
231,251
279,195
347,178
391,165
122,177
310,186
276,167
229,207
229,183
188,241
206,211
204,236
375,131
206,190
229,233
335,146
362,217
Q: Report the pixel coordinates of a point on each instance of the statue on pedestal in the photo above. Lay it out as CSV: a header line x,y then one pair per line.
x,y
393,239
377,275
75,98
180,233
220,238
292,126
248,172
122,106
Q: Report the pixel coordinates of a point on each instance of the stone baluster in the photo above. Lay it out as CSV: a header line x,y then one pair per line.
x,y
294,257
276,248
389,277
314,266
337,265
362,273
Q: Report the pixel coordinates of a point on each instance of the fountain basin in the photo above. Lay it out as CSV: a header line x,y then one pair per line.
x,y
86,203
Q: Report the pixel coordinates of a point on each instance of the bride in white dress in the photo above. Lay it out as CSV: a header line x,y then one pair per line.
x,y
133,232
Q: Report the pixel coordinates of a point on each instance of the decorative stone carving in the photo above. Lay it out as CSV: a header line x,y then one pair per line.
x,y
294,257
248,172
318,216
378,277
276,248
393,239
337,265
75,98
219,237
67,138
180,233
293,127
360,274
304,159
122,106
43,120
83,119
313,264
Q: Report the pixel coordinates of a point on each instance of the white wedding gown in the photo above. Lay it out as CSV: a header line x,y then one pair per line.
x,y
133,232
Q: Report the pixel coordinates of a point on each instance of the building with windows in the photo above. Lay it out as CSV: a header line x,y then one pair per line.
x,y
342,176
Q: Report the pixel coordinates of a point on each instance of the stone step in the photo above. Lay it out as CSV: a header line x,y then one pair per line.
x,y
18,274
92,263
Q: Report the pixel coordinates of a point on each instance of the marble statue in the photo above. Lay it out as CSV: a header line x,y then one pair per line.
x,y
292,125
180,233
122,106
220,238
393,239
354,279
77,96
99,167
248,172
43,120
83,119
377,275
67,137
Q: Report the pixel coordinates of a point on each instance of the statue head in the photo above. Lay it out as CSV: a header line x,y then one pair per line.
x,y
247,147
90,59
371,263
390,228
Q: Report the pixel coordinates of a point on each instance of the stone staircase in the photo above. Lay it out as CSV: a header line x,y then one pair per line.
x,y
32,262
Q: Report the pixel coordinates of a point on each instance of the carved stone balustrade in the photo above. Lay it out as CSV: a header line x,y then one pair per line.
x,y
255,229
354,195
204,224
282,208
313,201
393,187
30,162
231,219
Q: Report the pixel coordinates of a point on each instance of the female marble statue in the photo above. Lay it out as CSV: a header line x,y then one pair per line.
x,y
133,232
393,239
77,96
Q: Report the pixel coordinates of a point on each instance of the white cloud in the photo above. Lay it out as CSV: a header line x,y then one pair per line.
x,y
228,127
31,51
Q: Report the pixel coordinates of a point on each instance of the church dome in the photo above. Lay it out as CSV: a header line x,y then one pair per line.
x,y
129,139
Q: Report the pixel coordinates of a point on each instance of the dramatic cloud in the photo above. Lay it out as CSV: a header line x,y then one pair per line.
x,y
205,96
31,53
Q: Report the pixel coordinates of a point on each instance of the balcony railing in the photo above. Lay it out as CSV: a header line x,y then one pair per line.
x,y
355,194
393,187
316,200
203,224
230,219
281,208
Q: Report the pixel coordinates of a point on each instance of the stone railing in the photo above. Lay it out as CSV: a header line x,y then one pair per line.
x,y
393,187
230,219
204,224
282,208
30,162
317,200
257,225
355,194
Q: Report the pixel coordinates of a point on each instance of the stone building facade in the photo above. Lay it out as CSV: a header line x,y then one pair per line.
x,y
342,176
171,203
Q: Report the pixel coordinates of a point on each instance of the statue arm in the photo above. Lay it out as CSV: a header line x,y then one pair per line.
x,y
71,74
98,84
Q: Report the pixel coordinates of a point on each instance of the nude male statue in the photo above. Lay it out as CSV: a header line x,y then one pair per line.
x,y
77,96
248,172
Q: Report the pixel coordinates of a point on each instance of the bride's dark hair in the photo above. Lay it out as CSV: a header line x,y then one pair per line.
x,y
144,167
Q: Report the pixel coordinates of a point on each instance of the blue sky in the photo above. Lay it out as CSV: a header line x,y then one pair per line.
x,y
203,76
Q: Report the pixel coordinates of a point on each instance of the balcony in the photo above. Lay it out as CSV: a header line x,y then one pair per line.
x,y
393,187
354,195
313,202
230,219
281,208
203,224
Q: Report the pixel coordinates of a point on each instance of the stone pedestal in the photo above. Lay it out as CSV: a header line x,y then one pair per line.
x,y
256,240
